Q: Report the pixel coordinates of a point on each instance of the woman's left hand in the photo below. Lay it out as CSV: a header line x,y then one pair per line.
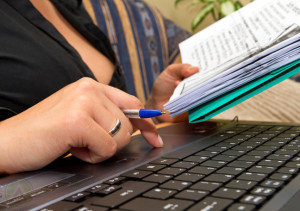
x,y
164,86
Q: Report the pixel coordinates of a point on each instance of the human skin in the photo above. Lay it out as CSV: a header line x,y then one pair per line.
x,y
77,119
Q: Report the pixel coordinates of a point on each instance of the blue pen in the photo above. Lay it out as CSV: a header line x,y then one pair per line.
x,y
142,113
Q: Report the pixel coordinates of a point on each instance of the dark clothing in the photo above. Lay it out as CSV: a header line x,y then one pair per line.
x,y
36,60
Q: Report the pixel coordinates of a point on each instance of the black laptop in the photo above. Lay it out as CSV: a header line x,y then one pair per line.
x,y
215,165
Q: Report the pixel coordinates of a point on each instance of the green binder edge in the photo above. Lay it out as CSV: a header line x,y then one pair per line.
x,y
215,106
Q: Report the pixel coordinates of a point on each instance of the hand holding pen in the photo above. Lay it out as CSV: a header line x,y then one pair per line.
x,y
142,113
136,114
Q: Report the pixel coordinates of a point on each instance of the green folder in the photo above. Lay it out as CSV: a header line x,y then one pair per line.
x,y
221,103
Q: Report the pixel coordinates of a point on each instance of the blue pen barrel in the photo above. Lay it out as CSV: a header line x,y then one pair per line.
x,y
142,113
149,113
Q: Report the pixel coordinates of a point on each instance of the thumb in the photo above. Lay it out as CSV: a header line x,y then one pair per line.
x,y
180,71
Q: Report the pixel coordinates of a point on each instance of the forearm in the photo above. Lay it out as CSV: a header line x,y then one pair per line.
x,y
26,144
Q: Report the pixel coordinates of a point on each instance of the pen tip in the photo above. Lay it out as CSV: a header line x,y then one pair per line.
x,y
163,112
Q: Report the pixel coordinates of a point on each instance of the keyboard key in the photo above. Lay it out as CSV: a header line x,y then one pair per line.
x,y
272,183
286,170
280,128
237,139
258,140
292,146
217,149
227,158
259,153
229,193
232,142
175,185
146,204
151,167
158,178
114,181
279,157
279,176
91,208
202,170
253,199
189,177
273,142
242,148
241,207
293,164
230,170
262,169
198,159
108,190
207,153
171,171
164,161
206,186
263,191
291,152
213,163
252,176
223,144
160,193
251,158
266,148
241,184
286,136
241,164
184,164
234,152
211,203
77,197
136,174
130,190
62,206
296,159
190,194
96,188
251,143
219,177
265,136
273,163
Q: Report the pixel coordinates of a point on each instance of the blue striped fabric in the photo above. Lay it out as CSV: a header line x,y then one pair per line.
x,y
144,42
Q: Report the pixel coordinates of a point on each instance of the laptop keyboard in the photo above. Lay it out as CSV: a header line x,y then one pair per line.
x,y
242,171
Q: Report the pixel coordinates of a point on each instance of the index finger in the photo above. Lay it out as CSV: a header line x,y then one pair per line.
x,y
148,131
146,126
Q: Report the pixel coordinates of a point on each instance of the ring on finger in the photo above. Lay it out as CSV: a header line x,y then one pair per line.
x,y
115,129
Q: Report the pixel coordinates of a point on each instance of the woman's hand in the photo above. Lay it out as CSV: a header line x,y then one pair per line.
x,y
164,86
77,119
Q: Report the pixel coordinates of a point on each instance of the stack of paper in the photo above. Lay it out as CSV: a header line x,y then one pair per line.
x,y
239,56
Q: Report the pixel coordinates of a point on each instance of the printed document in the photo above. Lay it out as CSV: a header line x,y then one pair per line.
x,y
247,44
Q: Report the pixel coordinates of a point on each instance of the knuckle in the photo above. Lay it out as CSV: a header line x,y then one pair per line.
x,y
85,85
110,150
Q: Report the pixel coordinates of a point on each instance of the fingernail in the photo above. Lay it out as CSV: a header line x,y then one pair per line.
x,y
161,143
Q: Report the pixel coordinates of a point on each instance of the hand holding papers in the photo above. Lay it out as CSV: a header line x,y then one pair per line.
x,y
237,55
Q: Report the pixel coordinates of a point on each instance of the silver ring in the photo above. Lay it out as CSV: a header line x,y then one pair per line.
x,y
115,129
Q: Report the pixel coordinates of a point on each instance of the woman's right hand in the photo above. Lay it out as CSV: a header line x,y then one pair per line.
x,y
77,118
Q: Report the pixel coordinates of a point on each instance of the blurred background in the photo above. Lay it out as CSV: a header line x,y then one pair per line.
x,y
184,13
